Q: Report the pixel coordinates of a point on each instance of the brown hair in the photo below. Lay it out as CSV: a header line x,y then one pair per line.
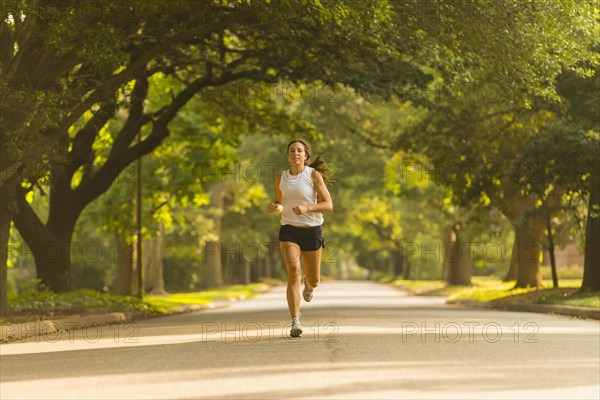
x,y
319,164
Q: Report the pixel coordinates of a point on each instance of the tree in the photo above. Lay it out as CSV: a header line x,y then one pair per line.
x,y
59,62
559,166
222,51
42,44
582,96
487,100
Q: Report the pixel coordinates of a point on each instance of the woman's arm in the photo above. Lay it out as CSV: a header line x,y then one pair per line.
x,y
276,206
326,204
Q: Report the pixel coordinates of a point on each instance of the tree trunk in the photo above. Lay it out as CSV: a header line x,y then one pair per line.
x,y
528,236
459,262
153,263
275,259
397,261
8,208
213,266
449,239
524,261
591,263
513,205
50,244
268,262
54,264
257,269
5,221
390,265
124,283
246,270
511,275
551,249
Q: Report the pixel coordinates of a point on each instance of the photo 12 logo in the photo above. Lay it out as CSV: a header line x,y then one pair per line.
x,y
419,172
54,331
453,332
270,331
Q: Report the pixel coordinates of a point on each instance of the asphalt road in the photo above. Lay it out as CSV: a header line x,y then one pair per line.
x,y
361,341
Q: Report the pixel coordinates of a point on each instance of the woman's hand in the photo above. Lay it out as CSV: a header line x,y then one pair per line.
x,y
275,207
299,210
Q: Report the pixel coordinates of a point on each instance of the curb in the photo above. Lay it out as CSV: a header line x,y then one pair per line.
x,y
585,312
12,332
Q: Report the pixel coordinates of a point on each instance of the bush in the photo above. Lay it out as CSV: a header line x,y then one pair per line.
x,y
182,270
34,300
381,277
572,272
11,285
330,269
88,276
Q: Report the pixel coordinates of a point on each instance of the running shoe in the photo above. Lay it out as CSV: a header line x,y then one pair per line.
x,y
308,295
296,328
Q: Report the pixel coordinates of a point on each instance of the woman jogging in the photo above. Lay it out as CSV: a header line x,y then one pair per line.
x,y
300,197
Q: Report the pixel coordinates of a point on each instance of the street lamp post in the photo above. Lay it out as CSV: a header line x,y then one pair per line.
x,y
140,270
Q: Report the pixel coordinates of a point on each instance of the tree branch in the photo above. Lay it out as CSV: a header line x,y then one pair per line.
x,y
119,160
135,119
84,139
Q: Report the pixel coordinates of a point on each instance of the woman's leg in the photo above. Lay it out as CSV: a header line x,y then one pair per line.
x,y
291,258
312,267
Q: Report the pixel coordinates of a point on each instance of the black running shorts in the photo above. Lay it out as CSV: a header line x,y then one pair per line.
x,y
309,238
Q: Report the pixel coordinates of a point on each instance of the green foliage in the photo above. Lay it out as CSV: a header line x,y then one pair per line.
x,y
561,157
573,272
34,300
89,276
571,298
468,84
492,289
182,266
11,284
581,95
381,277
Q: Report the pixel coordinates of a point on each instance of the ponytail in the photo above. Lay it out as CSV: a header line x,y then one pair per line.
x,y
324,169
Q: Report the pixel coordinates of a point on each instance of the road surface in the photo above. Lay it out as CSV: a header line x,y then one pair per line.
x,y
361,341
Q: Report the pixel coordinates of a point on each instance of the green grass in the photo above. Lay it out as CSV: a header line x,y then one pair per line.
x,y
561,296
492,289
578,300
204,297
572,272
30,304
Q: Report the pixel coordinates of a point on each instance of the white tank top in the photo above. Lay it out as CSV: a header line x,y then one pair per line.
x,y
298,190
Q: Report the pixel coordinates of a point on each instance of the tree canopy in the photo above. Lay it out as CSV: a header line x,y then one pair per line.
x,y
466,88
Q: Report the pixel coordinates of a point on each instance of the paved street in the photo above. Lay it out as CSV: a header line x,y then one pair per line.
x,y
361,340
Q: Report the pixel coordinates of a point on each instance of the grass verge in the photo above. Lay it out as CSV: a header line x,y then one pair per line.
x,y
491,289
31,304
228,293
